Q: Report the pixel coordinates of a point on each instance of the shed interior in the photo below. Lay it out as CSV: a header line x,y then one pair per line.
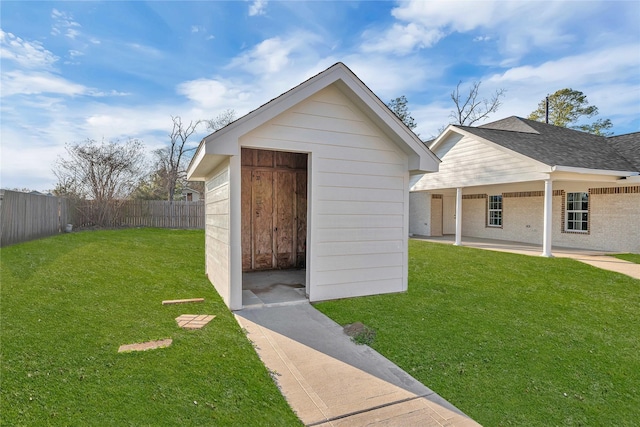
x,y
274,210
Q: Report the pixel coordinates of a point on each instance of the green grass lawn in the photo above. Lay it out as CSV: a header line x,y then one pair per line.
x,y
67,304
512,339
629,257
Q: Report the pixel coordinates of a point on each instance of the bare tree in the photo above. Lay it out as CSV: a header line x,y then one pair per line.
x,y
168,173
172,158
105,173
472,108
221,120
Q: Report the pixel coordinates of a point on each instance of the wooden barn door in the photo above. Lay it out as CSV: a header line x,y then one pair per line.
x,y
274,210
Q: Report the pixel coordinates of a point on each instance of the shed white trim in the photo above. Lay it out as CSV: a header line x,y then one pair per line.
x,y
217,146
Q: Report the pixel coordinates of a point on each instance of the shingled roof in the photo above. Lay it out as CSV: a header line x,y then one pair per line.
x,y
558,146
628,146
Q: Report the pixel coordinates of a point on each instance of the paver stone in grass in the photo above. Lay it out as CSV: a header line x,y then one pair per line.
x,y
143,346
194,321
182,301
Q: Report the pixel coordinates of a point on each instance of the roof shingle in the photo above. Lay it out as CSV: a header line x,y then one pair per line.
x,y
558,146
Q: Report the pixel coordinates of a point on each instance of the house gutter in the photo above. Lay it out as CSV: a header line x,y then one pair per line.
x,y
593,171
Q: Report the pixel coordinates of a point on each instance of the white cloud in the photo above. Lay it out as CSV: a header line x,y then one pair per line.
x,y
257,7
269,56
421,24
608,77
30,83
207,93
610,64
456,16
24,53
282,57
389,79
145,50
402,39
199,29
102,94
63,23
28,165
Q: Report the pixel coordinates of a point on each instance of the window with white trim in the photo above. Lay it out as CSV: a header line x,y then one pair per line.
x,y
577,212
495,211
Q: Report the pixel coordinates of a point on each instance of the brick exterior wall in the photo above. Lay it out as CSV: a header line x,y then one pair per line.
x,y
614,217
523,216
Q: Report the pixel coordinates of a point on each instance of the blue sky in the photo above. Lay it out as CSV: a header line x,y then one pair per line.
x,y
119,70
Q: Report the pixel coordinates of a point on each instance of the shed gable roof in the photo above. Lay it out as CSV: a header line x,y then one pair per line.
x,y
224,142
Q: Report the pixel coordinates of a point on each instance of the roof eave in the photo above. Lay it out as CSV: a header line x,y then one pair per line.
x,y
421,158
214,148
572,169
436,142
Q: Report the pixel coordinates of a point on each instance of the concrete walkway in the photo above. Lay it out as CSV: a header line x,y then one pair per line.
x,y
599,259
330,381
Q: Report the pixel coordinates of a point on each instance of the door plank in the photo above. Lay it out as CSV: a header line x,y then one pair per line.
x,y
262,201
247,244
284,219
301,219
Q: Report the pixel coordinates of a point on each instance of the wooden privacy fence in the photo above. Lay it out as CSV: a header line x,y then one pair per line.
x,y
144,213
25,216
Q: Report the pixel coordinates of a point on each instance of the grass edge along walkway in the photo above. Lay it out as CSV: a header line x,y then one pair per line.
x,y
512,339
635,258
68,302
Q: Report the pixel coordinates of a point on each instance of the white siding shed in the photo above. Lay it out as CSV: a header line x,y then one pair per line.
x,y
352,224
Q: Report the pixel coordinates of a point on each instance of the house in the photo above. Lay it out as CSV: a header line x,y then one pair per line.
x,y
190,195
317,178
525,181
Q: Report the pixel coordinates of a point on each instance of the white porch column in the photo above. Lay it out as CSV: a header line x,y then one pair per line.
x,y
458,217
546,236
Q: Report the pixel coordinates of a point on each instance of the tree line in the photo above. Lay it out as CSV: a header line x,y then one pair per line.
x,y
564,108
118,170
107,172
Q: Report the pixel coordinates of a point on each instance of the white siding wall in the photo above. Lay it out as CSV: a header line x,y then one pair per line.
x,y
217,234
358,195
470,161
420,213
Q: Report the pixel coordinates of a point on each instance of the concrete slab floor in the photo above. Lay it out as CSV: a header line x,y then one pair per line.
x,y
273,287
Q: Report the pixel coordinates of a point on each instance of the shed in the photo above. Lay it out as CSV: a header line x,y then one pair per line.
x,y
316,179
190,195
